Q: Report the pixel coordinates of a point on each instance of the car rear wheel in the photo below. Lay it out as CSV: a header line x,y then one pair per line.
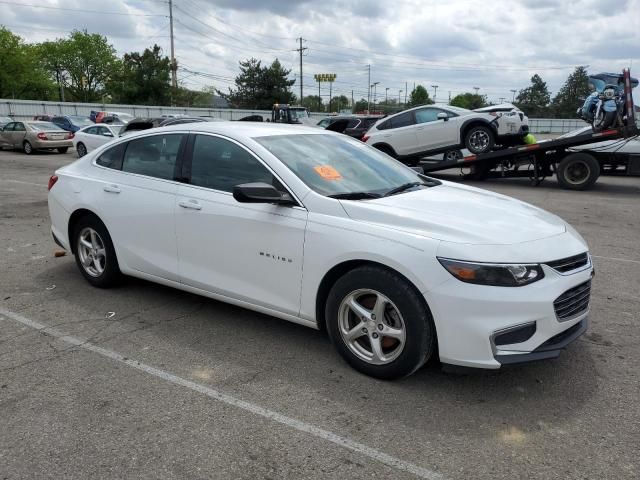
x,y
62,149
479,139
379,323
81,149
452,155
578,171
27,147
95,255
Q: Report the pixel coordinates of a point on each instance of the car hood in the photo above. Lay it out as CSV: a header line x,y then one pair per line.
x,y
460,214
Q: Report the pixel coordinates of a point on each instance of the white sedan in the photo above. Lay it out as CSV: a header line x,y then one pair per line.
x,y
93,136
320,229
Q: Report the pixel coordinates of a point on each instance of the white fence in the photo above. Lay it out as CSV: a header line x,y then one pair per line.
x,y
26,109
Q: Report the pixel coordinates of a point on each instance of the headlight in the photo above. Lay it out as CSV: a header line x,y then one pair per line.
x,y
609,93
494,274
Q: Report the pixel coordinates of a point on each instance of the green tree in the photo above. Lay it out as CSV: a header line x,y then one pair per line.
x,y
534,100
361,106
339,102
260,87
83,63
572,94
143,79
21,75
419,96
470,101
313,103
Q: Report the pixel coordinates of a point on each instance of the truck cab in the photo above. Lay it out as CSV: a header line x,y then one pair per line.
x,y
285,113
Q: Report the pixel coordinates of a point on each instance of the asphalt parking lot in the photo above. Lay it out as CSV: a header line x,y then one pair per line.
x,y
145,381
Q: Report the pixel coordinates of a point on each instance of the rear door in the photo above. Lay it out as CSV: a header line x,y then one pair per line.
x,y
136,195
400,132
6,135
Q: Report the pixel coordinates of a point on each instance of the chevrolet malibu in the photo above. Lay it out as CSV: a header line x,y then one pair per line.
x,y
323,230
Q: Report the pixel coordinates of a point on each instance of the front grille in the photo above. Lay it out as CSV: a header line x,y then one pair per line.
x,y
570,263
573,302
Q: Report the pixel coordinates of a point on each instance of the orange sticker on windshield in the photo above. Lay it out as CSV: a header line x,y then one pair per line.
x,y
328,172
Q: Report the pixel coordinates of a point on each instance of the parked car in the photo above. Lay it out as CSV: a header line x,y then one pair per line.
x,y
117,118
4,121
71,123
398,267
43,117
93,136
427,130
138,124
354,126
325,122
34,135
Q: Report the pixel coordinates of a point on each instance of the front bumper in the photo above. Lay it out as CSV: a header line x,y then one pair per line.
x,y
468,318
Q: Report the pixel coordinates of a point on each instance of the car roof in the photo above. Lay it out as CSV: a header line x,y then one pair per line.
x,y
239,129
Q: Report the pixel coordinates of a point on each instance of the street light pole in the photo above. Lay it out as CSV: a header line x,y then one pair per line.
x,y
435,92
399,104
374,94
514,95
386,96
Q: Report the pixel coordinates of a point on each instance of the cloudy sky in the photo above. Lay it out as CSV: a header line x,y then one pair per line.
x,y
495,45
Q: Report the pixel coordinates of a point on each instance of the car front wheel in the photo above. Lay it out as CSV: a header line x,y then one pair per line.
x,y
95,255
379,323
479,139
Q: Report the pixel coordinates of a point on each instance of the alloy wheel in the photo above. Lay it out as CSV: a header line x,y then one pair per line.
x,y
479,140
371,326
92,252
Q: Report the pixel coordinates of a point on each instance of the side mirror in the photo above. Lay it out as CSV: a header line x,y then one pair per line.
x,y
107,134
443,116
260,192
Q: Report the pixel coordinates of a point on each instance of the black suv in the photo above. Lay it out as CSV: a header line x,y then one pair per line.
x,y
354,126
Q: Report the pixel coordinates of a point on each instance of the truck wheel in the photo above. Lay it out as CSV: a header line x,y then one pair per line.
x,y
452,155
479,139
578,171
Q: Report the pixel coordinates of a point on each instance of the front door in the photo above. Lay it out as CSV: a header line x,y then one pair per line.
x,y
252,252
433,132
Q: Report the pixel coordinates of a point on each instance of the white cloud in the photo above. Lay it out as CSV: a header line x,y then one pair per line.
x,y
458,44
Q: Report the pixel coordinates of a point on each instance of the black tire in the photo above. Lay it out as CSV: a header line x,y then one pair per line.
x,y
81,150
606,120
27,147
62,149
451,155
578,171
420,332
479,139
388,150
110,276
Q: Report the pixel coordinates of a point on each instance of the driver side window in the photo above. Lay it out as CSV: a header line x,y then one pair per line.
x,y
426,115
220,165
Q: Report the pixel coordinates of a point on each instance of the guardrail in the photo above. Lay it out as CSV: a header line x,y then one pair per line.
x,y
26,109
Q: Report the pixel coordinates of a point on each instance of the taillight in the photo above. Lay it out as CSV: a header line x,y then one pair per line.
x,y
70,135
52,181
42,136
365,137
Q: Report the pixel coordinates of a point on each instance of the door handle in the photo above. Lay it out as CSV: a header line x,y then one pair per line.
x,y
191,204
111,189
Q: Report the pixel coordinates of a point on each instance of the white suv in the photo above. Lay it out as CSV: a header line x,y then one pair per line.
x,y
428,130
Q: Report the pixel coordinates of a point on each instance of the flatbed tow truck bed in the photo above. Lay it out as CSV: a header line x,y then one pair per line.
x,y
576,170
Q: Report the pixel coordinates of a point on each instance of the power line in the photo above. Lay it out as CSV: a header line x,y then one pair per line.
x,y
82,11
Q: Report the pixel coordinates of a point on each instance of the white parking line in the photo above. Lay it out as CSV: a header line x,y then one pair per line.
x,y
617,259
23,183
299,425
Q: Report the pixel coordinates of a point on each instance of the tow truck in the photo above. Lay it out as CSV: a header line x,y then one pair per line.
x,y
285,113
574,169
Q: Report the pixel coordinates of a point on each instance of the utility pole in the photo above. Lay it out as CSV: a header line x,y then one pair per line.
x,y
301,49
399,103
435,92
174,66
374,85
449,97
406,87
386,97
369,91
353,105
514,95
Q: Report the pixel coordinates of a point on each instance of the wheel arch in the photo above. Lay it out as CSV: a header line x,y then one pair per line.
x,y
475,122
73,221
341,269
383,145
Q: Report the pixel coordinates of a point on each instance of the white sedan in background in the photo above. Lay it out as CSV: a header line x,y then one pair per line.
x,y
93,136
398,267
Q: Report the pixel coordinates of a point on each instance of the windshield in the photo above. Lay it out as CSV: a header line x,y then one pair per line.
x,y
40,126
298,112
80,121
336,164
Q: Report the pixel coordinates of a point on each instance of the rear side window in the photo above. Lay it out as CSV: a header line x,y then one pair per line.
x,y
92,130
220,164
112,157
154,156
